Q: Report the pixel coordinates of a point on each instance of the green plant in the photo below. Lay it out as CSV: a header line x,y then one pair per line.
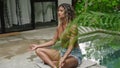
x,y
97,5
100,20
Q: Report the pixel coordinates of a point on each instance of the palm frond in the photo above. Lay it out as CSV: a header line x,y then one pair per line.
x,y
100,20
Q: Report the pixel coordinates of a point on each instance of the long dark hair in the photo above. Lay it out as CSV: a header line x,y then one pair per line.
x,y
69,11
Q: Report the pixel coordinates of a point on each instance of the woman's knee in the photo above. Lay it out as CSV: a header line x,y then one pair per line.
x,y
70,62
38,50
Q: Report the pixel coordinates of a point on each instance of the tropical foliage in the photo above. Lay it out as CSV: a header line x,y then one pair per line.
x,y
97,5
99,13
102,14
100,20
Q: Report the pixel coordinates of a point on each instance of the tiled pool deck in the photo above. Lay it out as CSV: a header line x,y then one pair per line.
x,y
14,51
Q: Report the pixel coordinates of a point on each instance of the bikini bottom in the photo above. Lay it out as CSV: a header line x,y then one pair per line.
x,y
76,53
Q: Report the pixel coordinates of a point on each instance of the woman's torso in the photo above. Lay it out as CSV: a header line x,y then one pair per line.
x,y
64,36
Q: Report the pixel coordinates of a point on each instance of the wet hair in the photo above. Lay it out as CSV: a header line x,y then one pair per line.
x,y
69,11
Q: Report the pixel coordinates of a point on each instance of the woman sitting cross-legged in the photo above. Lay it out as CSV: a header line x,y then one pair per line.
x,y
68,54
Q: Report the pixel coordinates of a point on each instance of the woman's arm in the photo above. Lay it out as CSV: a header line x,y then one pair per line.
x,y
47,44
70,47
72,42
73,39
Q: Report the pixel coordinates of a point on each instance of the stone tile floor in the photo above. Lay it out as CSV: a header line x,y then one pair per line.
x,y
14,50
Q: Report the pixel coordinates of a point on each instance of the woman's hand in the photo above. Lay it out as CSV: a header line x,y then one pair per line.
x,y
33,47
61,62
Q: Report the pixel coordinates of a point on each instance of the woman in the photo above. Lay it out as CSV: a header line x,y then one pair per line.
x,y
68,54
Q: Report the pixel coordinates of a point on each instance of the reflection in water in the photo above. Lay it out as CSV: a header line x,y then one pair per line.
x,y
105,50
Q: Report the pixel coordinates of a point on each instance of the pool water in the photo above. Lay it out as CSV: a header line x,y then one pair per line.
x,y
105,50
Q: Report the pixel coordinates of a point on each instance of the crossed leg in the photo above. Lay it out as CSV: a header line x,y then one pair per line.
x,y
51,57
70,62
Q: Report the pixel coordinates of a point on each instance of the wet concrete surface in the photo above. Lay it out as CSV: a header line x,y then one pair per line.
x,y
8,50
14,50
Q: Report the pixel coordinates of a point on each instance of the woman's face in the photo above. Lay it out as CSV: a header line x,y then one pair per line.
x,y
61,12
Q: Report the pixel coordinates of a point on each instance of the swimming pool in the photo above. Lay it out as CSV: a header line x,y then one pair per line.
x,y
101,47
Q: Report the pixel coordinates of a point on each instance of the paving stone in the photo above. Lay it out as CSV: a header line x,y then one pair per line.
x,y
86,63
29,37
29,59
40,63
19,61
15,39
3,41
